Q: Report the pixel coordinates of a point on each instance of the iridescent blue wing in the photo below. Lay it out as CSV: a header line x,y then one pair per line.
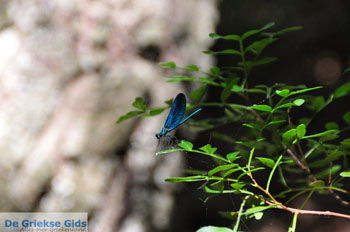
x,y
177,113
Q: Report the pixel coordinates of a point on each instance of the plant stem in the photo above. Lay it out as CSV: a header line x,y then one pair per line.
x,y
272,172
236,227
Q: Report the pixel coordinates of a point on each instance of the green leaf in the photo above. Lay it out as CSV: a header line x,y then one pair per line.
x,y
139,103
215,70
298,102
331,126
226,37
282,93
215,36
170,64
253,32
346,117
289,136
345,142
249,125
232,37
192,67
304,90
237,88
250,64
329,137
206,80
286,105
258,215
318,103
328,171
301,131
266,108
197,94
266,161
342,90
324,133
179,78
221,168
257,209
214,229
131,114
345,174
238,185
275,122
186,145
227,90
186,179
232,157
295,28
317,183
223,52
168,151
258,46
233,170
155,111
208,149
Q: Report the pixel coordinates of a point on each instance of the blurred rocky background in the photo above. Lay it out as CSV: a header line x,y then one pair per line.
x,y
69,68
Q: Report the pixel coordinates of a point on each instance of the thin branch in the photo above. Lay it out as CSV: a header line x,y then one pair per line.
x,y
279,205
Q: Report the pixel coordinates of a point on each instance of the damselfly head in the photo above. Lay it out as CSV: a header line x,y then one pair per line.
x,y
158,135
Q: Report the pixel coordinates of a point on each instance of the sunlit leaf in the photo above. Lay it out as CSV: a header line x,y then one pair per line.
x,y
266,161
186,145
208,149
282,93
232,156
304,90
221,168
289,136
131,114
266,108
324,133
238,185
298,102
214,229
301,130
345,174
